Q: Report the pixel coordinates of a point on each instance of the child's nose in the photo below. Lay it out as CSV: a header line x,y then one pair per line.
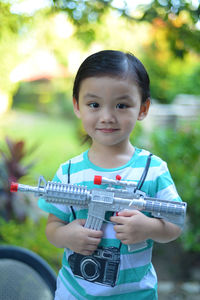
x,y
107,115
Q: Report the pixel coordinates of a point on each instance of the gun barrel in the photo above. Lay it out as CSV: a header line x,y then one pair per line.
x,y
56,192
67,194
170,210
166,207
15,187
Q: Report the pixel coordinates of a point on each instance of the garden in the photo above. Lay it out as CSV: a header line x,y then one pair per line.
x,y
38,130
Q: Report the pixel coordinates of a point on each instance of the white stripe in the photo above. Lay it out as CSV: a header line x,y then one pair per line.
x,y
108,231
144,152
154,173
150,175
77,159
127,174
59,173
81,175
135,260
63,292
168,193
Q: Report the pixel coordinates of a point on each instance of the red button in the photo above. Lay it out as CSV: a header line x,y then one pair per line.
x,y
97,180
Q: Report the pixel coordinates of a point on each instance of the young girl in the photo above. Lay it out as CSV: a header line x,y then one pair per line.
x,y
110,94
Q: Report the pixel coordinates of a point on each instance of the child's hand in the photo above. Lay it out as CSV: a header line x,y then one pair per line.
x,y
72,235
80,239
131,227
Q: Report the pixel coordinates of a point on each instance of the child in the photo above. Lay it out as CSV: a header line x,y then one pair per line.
x,y
110,94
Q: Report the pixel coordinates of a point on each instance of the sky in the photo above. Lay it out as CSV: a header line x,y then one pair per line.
x,y
30,6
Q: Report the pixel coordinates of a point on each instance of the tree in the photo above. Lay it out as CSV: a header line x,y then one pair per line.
x,y
168,29
183,160
178,17
11,30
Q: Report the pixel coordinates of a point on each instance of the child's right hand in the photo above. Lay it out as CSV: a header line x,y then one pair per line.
x,y
72,235
80,239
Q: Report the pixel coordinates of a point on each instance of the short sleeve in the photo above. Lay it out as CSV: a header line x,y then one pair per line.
x,y
164,185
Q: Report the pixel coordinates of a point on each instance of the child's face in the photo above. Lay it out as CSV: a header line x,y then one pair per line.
x,y
109,108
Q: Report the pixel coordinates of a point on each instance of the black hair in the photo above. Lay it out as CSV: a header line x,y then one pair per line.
x,y
114,64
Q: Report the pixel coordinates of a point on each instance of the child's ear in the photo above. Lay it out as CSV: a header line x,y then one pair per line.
x,y
76,108
144,109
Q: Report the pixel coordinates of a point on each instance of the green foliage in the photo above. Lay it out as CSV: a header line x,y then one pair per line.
x,y
169,34
84,13
168,78
31,235
181,148
11,32
137,135
12,159
188,80
57,144
56,139
179,17
12,169
159,73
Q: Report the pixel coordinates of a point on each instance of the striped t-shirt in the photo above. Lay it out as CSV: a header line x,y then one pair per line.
x,y
112,272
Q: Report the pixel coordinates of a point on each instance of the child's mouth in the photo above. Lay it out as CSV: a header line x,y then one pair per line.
x,y
107,130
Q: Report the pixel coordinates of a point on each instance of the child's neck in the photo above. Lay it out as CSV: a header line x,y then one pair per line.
x,y
110,157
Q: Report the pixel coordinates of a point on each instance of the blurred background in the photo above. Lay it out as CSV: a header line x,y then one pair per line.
x,y
42,44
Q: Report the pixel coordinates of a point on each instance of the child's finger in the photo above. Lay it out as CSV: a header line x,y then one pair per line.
x,y
128,213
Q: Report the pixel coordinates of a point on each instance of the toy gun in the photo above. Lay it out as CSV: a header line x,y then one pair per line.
x,y
119,195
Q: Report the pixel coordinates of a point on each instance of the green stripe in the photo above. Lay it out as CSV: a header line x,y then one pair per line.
x,y
142,160
165,181
124,248
139,162
133,275
94,167
74,168
65,169
56,179
81,214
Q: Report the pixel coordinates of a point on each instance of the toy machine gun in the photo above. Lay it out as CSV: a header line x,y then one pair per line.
x,y
98,201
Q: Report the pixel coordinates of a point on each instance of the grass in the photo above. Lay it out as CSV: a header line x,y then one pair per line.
x,y
56,140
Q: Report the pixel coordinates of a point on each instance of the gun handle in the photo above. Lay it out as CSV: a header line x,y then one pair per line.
x,y
137,246
96,214
94,223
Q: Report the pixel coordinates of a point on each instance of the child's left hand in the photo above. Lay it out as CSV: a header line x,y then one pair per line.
x,y
131,227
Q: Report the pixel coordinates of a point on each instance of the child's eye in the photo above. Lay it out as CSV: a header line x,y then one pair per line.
x,y
121,106
93,105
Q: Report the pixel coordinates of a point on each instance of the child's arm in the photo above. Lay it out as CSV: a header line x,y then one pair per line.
x,y
132,227
72,235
